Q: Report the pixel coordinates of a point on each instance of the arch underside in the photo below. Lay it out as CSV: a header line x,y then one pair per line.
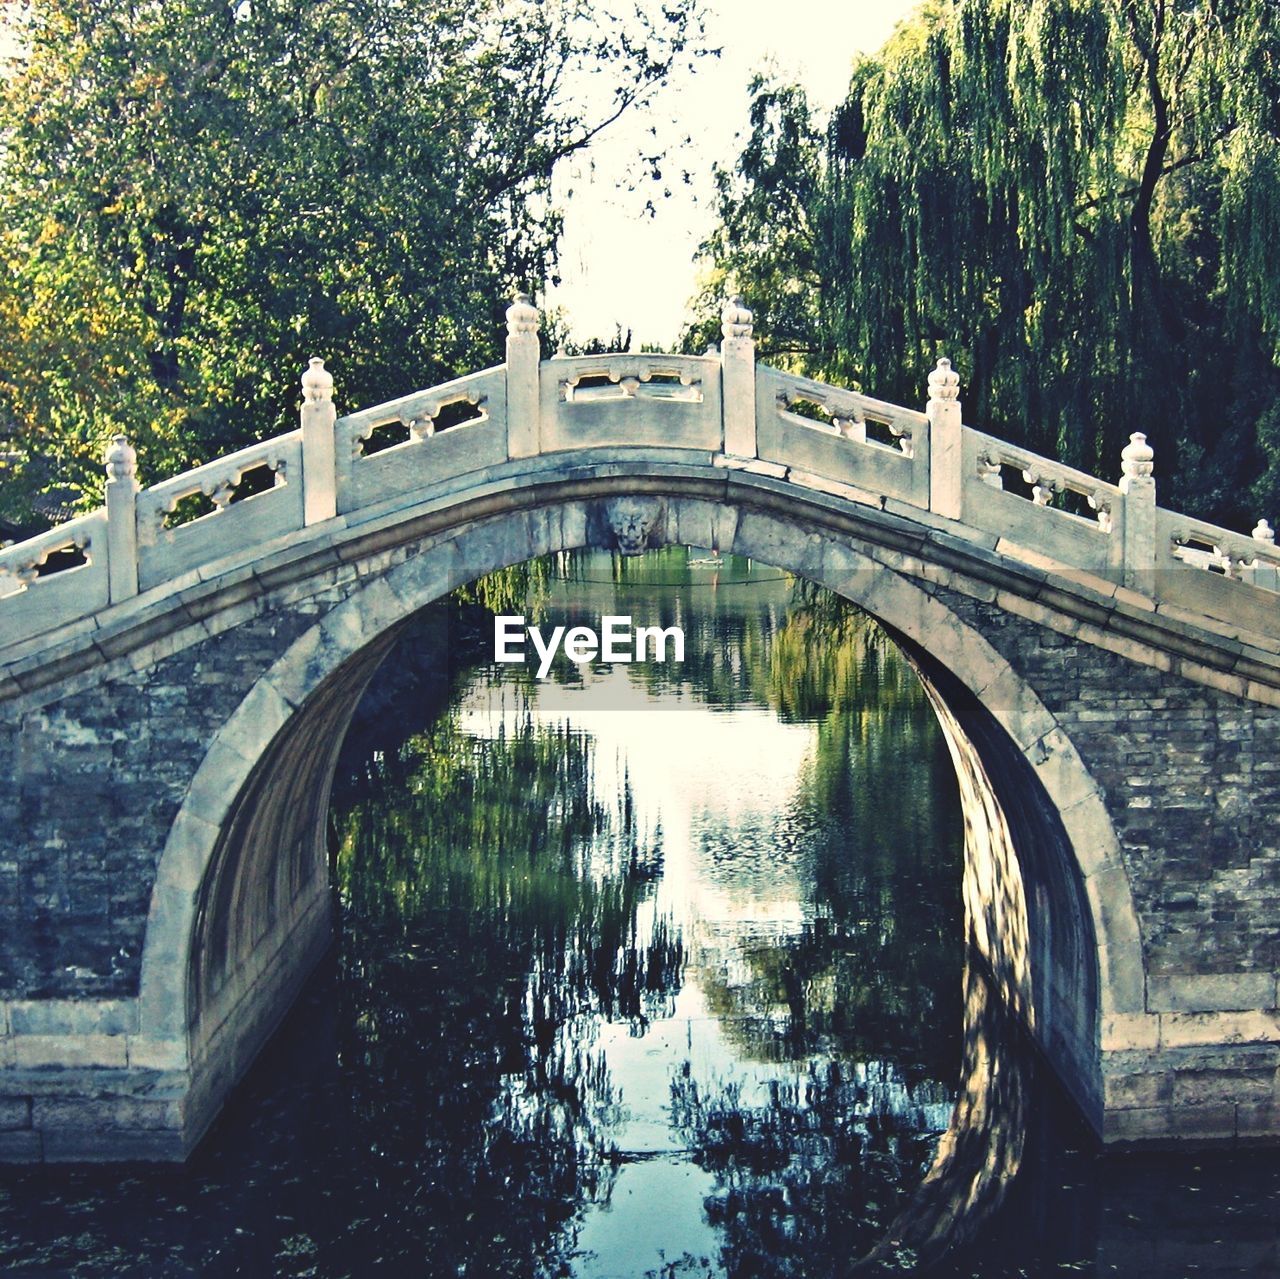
x,y
240,912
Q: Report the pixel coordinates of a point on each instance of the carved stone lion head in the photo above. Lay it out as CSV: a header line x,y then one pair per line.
x,y
632,521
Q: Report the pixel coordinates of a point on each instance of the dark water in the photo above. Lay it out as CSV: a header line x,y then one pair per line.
x,y
654,970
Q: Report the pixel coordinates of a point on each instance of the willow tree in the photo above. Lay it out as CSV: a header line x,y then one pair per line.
x,y
197,194
1077,200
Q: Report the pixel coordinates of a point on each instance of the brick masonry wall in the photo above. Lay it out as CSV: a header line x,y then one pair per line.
x,y
88,789
1191,778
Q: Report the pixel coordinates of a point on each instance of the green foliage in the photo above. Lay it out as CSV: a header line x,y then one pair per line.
x,y
1077,200
195,196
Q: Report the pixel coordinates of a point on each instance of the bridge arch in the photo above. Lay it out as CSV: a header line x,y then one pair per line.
x,y
239,909
1108,667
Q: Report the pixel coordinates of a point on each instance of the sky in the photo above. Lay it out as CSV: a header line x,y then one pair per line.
x,y
622,267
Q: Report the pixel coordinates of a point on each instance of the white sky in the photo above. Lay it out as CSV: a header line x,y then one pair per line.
x,y
621,267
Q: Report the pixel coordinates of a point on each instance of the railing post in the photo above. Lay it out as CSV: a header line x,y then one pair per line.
x,y
946,443
738,385
319,451
122,520
1261,573
1139,489
524,358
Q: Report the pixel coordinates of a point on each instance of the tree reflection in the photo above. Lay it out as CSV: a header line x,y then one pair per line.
x,y
489,934
483,942
874,829
810,1174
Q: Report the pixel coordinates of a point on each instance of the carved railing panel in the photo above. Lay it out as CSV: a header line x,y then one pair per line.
x,y
67,548
1038,515
626,401
842,436
1227,562
439,434
53,578
221,508
1235,556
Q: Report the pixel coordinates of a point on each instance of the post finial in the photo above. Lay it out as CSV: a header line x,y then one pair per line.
x,y
317,382
522,315
736,320
1137,458
319,459
944,381
1263,532
121,460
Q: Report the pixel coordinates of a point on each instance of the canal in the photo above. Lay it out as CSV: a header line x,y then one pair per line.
x,y
653,969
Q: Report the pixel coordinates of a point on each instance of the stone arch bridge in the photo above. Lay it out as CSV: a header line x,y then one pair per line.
x,y
177,671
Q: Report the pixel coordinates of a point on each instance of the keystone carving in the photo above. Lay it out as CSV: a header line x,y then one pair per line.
x,y
633,520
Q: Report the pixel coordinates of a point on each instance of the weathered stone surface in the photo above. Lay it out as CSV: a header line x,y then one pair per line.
x,y
1192,787
80,1017
22,1147
63,1051
15,1112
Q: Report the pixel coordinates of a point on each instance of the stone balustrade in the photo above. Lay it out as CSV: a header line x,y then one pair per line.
x,y
653,401
825,436
1042,521
168,547
721,408
21,563
418,450
37,595
1249,558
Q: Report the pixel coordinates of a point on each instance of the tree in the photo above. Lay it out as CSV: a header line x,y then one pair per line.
x,y
1075,199
196,195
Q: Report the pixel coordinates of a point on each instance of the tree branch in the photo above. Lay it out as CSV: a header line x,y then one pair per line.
x,y
1182,162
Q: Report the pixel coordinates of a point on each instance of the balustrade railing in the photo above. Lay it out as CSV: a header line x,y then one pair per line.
x,y
827,435
1044,507
720,407
1249,558
79,545
420,440
243,499
656,401
54,578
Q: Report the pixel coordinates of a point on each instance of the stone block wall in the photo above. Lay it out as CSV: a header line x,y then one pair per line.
x,y
89,786
1191,778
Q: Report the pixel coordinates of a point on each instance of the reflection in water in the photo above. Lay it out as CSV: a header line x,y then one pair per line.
x,y
735,948
672,993
470,983
715,1005
981,1152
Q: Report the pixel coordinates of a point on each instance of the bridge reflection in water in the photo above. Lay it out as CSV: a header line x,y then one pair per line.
x,y
653,975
